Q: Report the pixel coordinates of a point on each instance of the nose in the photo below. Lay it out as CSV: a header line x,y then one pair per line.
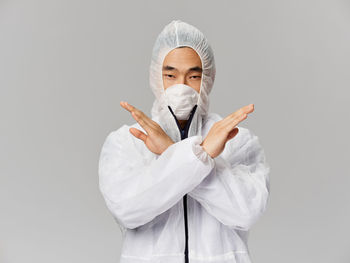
x,y
182,80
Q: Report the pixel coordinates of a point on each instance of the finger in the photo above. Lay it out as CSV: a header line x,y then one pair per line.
x,y
147,119
230,126
138,117
138,134
246,109
126,106
138,112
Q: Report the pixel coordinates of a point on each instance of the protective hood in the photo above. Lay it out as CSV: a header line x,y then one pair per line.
x,y
178,33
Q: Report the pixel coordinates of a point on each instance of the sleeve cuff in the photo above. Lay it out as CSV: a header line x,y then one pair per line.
x,y
199,151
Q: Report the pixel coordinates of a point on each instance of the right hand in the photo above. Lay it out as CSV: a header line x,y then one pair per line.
x,y
224,130
156,140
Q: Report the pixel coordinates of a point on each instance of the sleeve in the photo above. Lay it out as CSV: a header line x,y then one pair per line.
x,y
138,185
237,189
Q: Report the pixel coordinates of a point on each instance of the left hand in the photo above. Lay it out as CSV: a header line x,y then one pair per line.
x,y
156,140
224,130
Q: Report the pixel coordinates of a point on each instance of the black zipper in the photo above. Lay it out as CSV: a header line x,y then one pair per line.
x,y
184,135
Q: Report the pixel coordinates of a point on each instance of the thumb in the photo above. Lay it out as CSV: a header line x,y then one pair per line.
x,y
232,133
138,134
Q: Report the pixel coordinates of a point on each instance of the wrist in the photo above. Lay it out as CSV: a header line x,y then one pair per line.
x,y
204,148
168,145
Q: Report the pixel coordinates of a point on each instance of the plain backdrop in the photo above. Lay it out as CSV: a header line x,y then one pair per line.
x,y
66,65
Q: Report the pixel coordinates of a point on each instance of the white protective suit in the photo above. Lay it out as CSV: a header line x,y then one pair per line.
x,y
183,205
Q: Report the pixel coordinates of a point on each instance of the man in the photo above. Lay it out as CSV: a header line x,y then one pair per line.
x,y
185,185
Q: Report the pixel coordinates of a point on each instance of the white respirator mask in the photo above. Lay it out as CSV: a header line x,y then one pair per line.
x,y
181,98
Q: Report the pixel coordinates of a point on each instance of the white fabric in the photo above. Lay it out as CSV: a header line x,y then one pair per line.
x,y
181,98
144,192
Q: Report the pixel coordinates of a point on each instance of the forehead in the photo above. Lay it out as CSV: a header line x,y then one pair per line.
x,y
182,58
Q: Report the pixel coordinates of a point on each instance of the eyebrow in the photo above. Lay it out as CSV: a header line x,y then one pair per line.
x,y
195,69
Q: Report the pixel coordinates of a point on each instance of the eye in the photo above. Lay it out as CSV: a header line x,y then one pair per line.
x,y
196,77
169,75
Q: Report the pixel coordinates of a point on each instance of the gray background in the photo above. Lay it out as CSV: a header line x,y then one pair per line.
x,y
65,65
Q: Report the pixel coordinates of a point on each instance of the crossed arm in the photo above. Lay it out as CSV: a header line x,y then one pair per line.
x,y
233,187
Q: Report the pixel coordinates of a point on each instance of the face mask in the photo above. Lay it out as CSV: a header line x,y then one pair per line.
x,y
181,98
